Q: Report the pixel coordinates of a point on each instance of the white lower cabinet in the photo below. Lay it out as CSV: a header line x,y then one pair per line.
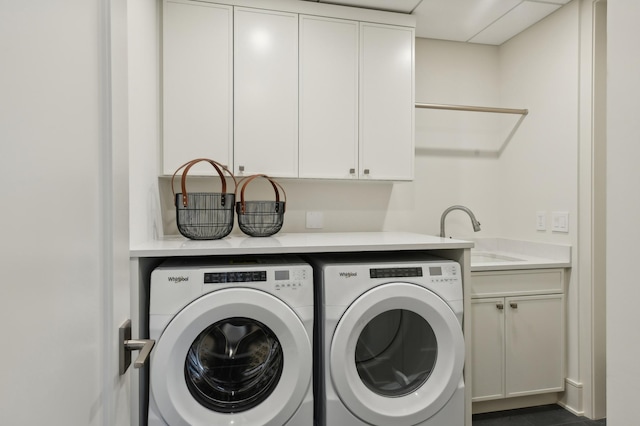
x,y
518,341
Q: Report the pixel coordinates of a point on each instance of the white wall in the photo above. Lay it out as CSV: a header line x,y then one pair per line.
x,y
540,70
457,160
623,212
448,170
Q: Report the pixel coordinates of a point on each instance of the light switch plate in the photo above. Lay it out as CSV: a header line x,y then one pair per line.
x,y
541,221
560,222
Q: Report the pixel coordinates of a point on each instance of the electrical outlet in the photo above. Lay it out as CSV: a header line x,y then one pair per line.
x,y
560,222
315,220
541,221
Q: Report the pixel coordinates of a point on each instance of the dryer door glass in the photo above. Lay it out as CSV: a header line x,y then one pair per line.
x,y
233,365
396,352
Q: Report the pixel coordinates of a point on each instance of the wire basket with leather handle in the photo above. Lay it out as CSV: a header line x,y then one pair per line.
x,y
204,215
260,218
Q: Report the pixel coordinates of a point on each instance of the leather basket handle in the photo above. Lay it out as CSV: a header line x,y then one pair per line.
x,y
187,166
243,185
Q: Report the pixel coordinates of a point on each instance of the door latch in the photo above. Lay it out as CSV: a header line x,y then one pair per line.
x,y
127,345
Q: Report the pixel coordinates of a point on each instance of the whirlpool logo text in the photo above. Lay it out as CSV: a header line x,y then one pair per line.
x,y
348,274
177,280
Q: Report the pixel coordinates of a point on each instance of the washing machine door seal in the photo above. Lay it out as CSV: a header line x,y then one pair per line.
x,y
420,403
167,378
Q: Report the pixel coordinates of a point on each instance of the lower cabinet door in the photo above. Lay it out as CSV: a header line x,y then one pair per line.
x,y
487,348
517,346
534,343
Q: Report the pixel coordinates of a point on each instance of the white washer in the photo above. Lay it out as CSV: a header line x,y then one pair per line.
x,y
233,342
391,349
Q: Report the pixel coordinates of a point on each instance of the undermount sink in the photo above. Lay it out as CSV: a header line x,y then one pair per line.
x,y
487,257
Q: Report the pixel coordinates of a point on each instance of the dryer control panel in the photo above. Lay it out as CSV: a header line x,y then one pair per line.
x,y
444,273
440,273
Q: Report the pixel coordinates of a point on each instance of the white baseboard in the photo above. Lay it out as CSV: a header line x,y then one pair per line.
x,y
513,403
573,397
571,400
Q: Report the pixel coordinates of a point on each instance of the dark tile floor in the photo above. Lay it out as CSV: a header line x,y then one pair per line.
x,y
546,415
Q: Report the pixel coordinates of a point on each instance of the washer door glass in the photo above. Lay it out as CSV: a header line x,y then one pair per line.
x,y
396,352
233,365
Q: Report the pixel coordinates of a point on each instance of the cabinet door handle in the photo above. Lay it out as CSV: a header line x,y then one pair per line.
x,y
366,171
500,306
513,305
352,171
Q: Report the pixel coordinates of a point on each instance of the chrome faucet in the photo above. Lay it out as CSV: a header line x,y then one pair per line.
x,y
474,221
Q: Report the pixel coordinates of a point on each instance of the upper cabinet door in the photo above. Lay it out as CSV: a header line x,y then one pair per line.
x,y
386,102
328,98
266,92
197,84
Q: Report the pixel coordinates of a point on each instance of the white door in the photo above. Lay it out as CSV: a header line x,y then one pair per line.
x,y
397,355
233,356
64,214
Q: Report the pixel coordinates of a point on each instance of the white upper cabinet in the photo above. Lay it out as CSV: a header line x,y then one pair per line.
x,y
328,98
265,92
386,102
324,94
197,80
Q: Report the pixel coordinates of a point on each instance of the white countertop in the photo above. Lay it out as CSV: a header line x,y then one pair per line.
x,y
500,254
297,243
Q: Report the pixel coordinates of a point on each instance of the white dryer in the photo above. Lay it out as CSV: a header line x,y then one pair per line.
x,y
391,347
233,342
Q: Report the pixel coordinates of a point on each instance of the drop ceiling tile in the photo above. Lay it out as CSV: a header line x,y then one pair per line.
x,y
458,20
404,6
514,22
